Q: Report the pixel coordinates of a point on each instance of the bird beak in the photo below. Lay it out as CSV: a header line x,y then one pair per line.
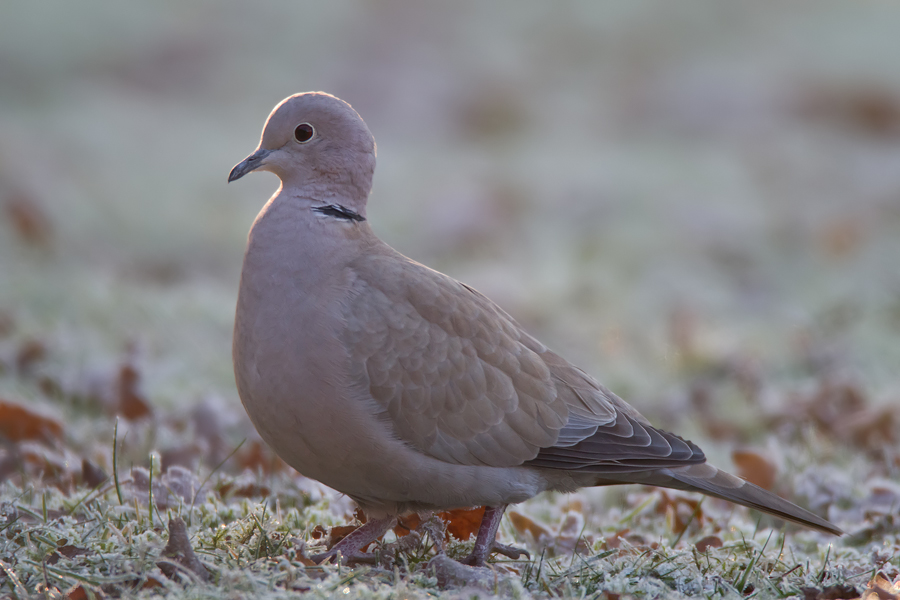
x,y
251,163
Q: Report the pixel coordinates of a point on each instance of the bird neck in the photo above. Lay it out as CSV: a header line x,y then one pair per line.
x,y
335,184
322,229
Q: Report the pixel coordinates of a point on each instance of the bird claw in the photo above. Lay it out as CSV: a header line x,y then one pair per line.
x,y
350,547
450,573
512,552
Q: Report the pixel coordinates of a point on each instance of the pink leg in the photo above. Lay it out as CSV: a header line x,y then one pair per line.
x,y
486,543
349,547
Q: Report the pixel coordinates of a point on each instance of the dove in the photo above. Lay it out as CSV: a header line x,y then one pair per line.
x,y
404,388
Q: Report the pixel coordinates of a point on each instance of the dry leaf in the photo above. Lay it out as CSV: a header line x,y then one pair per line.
x,y
257,456
77,592
755,467
179,549
571,538
336,534
243,489
306,562
19,423
871,110
151,582
615,540
186,455
31,351
710,541
29,220
462,523
91,474
874,429
68,550
831,592
523,524
174,487
880,588
681,510
833,403
131,402
841,237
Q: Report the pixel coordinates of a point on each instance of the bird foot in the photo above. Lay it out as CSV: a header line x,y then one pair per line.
x,y
450,573
477,559
350,548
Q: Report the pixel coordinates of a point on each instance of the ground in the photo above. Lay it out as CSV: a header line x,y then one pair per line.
x,y
697,203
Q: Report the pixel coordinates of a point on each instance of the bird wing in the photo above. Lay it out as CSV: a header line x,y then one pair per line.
x,y
458,379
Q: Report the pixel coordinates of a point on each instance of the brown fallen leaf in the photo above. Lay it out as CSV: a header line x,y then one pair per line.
x,y
881,588
831,592
833,403
18,423
571,536
130,400
179,548
841,237
681,510
339,532
68,551
710,541
28,219
78,592
874,429
242,489
615,540
31,351
151,582
462,523
867,109
255,455
91,474
755,467
176,486
523,524
186,455
837,408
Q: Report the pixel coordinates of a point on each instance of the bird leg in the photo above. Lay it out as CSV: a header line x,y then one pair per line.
x,y
349,547
486,541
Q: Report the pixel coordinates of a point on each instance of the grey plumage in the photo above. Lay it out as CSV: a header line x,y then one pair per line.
x,y
403,387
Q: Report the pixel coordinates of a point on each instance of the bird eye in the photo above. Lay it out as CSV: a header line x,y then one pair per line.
x,y
304,132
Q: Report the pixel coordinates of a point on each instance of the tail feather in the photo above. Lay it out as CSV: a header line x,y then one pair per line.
x,y
709,480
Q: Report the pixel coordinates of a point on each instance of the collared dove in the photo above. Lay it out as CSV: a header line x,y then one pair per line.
x,y
404,388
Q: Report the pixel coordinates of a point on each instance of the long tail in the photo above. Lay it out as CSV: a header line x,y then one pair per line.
x,y
709,480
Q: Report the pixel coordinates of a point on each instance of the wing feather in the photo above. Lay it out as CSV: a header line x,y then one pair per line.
x,y
460,380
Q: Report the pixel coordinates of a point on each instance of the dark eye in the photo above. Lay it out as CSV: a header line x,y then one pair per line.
x,y
304,132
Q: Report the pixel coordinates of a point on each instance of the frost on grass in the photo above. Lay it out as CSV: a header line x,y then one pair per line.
x,y
89,500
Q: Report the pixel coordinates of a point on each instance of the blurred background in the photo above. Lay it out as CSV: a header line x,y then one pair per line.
x,y
697,203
